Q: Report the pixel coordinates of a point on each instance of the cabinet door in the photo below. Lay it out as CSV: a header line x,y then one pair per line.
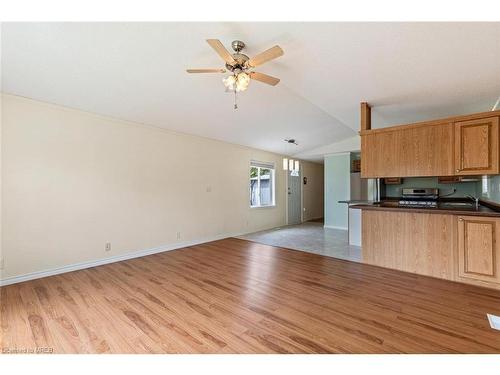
x,y
425,150
478,249
379,155
476,146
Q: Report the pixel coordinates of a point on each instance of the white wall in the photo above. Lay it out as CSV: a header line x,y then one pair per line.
x,y
73,181
346,145
337,187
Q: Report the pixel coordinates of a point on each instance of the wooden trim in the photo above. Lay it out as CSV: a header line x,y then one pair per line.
x,y
366,116
474,116
393,181
460,160
467,250
448,179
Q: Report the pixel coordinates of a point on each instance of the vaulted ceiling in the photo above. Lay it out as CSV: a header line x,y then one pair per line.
x,y
136,72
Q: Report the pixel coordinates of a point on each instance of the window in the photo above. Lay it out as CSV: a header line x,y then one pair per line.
x,y
261,184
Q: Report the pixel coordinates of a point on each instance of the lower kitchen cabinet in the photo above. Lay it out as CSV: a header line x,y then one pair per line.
x,y
413,242
451,247
478,249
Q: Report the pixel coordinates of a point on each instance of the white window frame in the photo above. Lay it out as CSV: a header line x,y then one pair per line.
x,y
259,166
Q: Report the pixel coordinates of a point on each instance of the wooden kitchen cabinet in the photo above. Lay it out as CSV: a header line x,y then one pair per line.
x,y
478,249
476,146
458,146
413,242
393,180
452,247
455,179
408,151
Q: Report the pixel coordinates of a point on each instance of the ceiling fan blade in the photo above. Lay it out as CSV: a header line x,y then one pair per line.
x,y
221,50
273,81
265,56
206,70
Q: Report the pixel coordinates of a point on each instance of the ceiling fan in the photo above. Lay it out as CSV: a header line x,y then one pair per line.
x,y
241,66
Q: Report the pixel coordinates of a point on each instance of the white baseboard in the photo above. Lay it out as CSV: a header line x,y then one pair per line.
x,y
334,227
117,258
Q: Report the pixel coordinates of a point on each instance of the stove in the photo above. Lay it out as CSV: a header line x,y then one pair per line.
x,y
417,203
419,197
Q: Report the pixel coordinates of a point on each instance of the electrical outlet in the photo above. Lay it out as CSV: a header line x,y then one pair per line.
x,y
2,263
178,235
209,189
107,247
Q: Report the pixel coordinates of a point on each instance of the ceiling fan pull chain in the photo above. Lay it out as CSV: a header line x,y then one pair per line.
x,y
235,97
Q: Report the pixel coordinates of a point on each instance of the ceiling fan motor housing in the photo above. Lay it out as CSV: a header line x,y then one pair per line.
x,y
240,58
238,45
241,62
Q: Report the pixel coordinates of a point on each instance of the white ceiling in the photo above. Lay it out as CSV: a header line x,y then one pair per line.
x,y
136,72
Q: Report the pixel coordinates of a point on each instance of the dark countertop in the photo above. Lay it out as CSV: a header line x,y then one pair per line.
x,y
357,201
442,208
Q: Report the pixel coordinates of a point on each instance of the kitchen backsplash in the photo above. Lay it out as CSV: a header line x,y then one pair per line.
x,y
462,189
489,188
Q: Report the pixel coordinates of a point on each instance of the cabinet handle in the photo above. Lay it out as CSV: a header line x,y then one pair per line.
x,y
461,219
458,170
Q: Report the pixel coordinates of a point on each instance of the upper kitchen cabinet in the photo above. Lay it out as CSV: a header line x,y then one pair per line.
x,y
476,146
458,146
419,150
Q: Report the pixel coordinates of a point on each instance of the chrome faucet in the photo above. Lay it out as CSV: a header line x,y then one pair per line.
x,y
475,199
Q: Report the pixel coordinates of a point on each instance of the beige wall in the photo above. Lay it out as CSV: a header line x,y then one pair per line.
x,y
73,181
313,192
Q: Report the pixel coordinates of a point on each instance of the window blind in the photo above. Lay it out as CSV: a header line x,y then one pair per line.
x,y
268,165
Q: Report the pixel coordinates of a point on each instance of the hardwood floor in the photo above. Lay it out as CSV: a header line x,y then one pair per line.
x,y
234,296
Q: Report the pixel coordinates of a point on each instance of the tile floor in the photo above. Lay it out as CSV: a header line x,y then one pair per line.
x,y
310,237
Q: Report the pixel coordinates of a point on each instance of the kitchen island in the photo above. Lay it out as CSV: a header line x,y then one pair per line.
x,y
452,242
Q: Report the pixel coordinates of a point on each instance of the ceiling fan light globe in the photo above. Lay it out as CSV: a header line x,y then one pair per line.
x,y
240,87
242,81
229,82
